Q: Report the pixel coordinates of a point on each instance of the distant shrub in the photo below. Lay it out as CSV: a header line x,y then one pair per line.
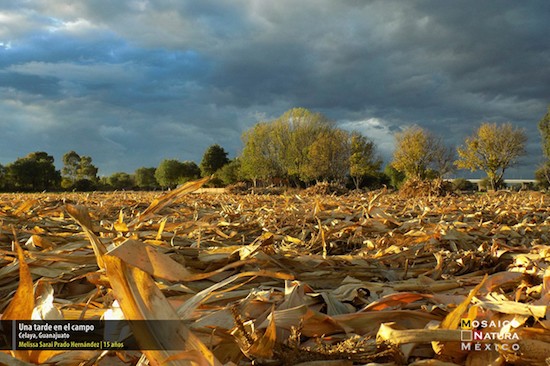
x,y
84,185
237,188
485,184
542,176
325,188
425,188
215,182
396,178
230,173
372,181
461,184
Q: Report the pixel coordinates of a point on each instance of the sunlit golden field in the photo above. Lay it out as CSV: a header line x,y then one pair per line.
x,y
283,279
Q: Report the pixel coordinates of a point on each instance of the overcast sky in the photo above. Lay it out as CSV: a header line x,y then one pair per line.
x,y
130,83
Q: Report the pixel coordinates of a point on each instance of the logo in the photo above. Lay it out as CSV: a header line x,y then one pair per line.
x,y
481,335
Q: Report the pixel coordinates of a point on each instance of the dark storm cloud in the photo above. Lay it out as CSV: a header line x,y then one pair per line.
x,y
132,82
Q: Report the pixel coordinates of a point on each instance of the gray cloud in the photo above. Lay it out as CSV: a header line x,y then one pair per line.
x,y
132,82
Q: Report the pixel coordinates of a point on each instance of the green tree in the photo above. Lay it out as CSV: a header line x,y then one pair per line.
x,y
300,145
493,148
419,154
230,173
171,172
121,180
213,159
363,160
3,178
71,162
396,177
145,178
78,172
296,131
34,172
544,128
328,157
87,170
542,176
189,171
168,173
261,157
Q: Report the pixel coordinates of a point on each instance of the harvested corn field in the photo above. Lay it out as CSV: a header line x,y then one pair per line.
x,y
287,279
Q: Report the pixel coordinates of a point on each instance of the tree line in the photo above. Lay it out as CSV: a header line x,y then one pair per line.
x,y
36,172
299,148
304,147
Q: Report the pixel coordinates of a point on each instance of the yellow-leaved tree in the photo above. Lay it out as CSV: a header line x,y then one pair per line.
x,y
420,154
493,148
